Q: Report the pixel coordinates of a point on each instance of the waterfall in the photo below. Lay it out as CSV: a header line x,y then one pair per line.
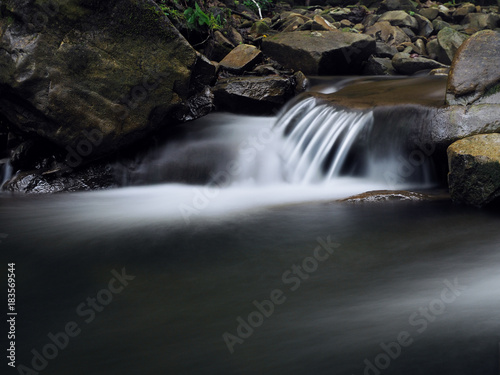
x,y
322,143
6,171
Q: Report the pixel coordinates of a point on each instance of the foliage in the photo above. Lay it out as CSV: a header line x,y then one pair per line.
x,y
197,17
194,18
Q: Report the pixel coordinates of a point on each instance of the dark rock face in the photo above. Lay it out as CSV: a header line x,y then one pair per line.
x,y
379,66
475,73
116,69
320,53
253,95
474,165
34,182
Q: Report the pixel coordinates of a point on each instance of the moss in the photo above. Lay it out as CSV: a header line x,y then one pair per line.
x,y
492,90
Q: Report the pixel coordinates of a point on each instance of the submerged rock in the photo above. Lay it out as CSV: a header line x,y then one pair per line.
x,y
378,196
320,53
474,165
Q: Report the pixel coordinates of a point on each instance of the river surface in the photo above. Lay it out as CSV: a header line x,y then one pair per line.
x,y
254,273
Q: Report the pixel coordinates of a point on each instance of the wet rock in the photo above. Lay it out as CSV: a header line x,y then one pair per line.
x,y
253,95
405,64
474,165
481,21
116,68
90,178
450,40
399,18
379,66
301,82
242,58
326,52
385,32
378,196
475,73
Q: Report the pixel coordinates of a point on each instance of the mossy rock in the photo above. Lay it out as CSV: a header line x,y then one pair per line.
x,y
117,67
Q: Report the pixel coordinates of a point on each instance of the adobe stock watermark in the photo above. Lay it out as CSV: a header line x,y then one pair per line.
x,y
421,320
88,311
123,106
248,150
292,278
407,167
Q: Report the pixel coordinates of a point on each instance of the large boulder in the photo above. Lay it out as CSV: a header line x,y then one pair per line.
x,y
94,76
475,73
320,53
474,165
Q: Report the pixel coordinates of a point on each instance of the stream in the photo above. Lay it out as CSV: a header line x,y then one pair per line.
x,y
228,251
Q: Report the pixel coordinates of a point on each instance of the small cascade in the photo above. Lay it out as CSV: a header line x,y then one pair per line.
x,y
6,171
321,143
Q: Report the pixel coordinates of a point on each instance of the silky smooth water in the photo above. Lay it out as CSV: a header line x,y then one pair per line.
x,y
249,273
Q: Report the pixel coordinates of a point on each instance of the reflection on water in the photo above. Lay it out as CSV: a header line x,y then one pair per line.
x,y
194,283
249,274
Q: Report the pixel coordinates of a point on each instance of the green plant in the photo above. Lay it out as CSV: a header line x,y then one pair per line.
x,y
197,17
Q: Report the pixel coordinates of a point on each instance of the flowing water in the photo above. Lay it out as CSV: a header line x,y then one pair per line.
x,y
228,253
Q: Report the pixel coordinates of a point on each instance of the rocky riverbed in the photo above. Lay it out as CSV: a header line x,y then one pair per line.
x,y
83,83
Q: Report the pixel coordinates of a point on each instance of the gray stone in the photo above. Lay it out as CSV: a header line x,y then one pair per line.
x,y
378,66
385,50
474,165
399,18
325,52
429,13
439,24
405,64
425,27
385,32
253,95
475,73
450,40
482,21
